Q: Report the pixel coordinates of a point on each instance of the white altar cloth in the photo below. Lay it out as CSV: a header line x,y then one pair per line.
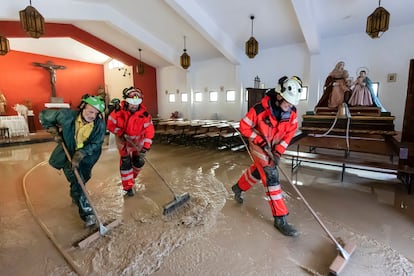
x,y
17,125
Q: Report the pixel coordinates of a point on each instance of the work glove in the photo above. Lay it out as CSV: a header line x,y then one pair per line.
x,y
263,144
54,131
142,154
77,158
119,141
276,157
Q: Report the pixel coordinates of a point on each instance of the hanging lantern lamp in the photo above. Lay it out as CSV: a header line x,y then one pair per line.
x,y
378,22
32,21
185,59
252,46
4,45
141,68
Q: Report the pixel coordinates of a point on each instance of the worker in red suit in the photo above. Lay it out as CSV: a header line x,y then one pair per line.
x,y
134,131
269,126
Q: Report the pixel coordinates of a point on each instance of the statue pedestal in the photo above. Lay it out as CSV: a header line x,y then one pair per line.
x,y
57,105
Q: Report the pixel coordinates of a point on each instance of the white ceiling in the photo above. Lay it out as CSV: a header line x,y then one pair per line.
x,y
213,28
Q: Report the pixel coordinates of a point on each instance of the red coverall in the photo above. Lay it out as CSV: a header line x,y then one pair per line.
x,y
260,124
138,126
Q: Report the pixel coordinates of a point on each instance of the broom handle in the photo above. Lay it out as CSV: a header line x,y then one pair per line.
x,y
152,166
81,184
310,208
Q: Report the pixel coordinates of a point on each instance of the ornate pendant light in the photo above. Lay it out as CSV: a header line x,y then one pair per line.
x,y
141,68
185,59
4,45
32,21
252,46
378,22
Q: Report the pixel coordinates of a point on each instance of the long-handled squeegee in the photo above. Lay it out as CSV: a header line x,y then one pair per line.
x,y
345,252
102,229
178,200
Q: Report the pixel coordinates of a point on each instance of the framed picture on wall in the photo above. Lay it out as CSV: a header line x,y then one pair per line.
x,y
392,77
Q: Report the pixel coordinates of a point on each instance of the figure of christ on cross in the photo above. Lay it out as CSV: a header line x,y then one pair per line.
x,y
52,70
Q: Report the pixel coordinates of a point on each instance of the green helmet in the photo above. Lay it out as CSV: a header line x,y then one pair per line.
x,y
96,102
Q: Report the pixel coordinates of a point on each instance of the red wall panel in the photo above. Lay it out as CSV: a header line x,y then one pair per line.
x,y
20,80
76,80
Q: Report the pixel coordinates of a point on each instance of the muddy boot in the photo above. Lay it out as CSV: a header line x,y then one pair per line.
x,y
284,227
90,220
237,193
130,192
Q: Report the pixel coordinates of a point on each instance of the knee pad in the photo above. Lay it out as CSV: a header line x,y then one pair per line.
x,y
256,174
272,176
126,163
137,162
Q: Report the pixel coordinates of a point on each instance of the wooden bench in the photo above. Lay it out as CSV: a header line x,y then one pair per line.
x,y
406,175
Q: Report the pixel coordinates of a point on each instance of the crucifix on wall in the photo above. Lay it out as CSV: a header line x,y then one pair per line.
x,y
52,71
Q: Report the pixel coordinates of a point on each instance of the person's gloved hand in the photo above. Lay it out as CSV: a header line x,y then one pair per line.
x,y
119,141
77,158
276,157
142,153
54,131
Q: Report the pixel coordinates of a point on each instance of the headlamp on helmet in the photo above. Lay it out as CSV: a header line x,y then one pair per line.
x,y
290,89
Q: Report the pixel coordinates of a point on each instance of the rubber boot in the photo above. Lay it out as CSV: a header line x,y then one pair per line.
x,y
130,192
284,227
237,193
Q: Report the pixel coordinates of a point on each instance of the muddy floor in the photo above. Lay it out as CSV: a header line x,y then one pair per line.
x,y
212,234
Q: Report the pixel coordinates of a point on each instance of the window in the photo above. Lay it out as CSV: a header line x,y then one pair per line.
x,y
230,95
171,98
304,93
213,96
184,97
198,96
115,64
246,95
375,87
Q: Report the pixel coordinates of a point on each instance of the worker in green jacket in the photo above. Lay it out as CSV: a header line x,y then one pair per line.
x,y
83,133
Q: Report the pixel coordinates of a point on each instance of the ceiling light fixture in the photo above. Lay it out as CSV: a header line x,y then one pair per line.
x,y
32,21
185,59
378,22
4,45
141,68
252,46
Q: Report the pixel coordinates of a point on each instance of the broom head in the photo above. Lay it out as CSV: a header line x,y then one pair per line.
x,y
178,201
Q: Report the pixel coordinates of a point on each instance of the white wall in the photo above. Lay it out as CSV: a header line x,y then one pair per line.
x,y
389,54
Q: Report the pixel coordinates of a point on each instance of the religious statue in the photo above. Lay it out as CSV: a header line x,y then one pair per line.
x,y
336,88
52,71
363,92
3,103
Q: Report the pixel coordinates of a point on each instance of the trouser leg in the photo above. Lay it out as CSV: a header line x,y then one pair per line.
x,y
137,164
127,173
77,195
273,190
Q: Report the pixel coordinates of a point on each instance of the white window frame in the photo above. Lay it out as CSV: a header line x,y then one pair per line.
x,y
213,96
198,97
231,95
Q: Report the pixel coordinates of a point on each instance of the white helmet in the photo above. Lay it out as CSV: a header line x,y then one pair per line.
x,y
290,89
132,95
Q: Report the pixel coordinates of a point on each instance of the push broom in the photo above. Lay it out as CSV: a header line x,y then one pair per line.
x,y
102,229
345,252
178,200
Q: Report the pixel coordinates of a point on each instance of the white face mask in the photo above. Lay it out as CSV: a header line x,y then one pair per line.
x,y
134,101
